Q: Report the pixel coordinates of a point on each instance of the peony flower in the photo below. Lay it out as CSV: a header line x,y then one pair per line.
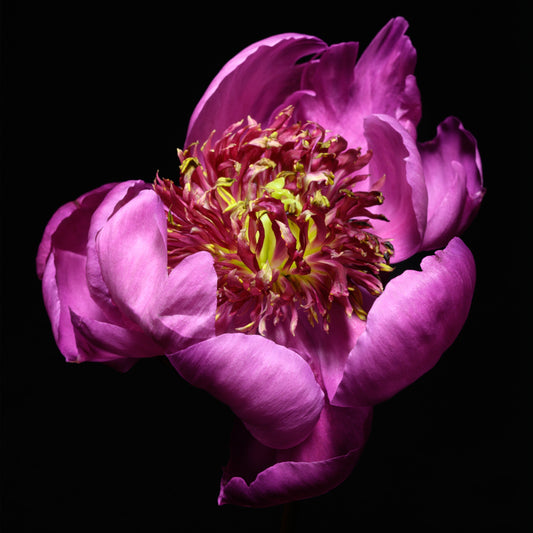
x,y
264,275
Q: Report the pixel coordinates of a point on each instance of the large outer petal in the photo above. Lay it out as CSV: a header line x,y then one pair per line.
x,y
80,326
397,159
64,282
177,309
88,202
121,194
409,326
257,476
339,93
255,82
269,387
454,180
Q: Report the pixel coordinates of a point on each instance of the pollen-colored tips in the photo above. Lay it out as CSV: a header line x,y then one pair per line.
x,y
279,210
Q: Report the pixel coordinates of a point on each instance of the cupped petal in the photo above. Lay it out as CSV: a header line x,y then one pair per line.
x,y
64,283
177,309
185,306
119,195
253,83
338,92
409,326
397,160
132,253
269,387
454,180
258,476
87,202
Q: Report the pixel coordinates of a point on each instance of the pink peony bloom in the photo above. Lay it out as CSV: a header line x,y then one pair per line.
x,y
264,274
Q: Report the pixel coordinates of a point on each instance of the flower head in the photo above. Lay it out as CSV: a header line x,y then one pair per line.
x,y
260,273
280,211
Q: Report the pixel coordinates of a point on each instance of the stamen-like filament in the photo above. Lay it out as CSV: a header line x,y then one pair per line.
x,y
279,210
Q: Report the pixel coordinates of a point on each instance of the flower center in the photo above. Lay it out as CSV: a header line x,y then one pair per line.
x,y
279,211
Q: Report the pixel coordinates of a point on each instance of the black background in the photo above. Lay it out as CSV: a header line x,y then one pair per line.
x,y
98,92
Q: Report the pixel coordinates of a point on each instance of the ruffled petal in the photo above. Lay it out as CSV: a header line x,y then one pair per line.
x,y
396,158
339,93
410,325
384,77
132,251
454,180
269,387
258,476
254,83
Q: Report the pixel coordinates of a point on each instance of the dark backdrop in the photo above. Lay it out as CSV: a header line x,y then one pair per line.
x,y
98,92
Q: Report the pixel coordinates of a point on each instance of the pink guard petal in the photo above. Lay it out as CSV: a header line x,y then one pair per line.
x,y
257,476
269,387
255,82
120,194
339,93
410,325
396,157
99,341
384,81
177,309
454,180
87,201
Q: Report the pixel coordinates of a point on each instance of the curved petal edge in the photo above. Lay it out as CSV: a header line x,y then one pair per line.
x,y
269,387
410,325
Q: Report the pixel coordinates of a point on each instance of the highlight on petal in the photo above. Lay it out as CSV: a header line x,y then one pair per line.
x,y
410,325
131,248
269,387
119,195
454,180
396,159
177,309
255,82
258,476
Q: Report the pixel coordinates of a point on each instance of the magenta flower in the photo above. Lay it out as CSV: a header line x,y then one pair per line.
x,y
264,274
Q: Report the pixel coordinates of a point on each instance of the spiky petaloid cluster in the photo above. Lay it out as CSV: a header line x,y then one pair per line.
x,y
279,211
